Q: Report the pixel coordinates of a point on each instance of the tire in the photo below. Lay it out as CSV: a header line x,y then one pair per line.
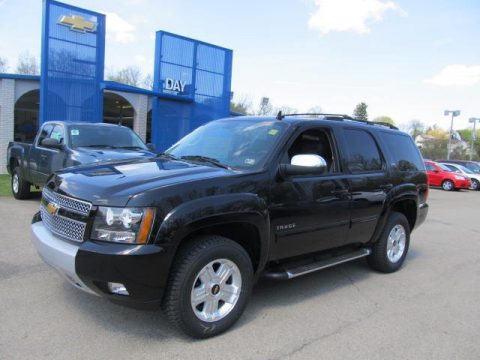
x,y
475,184
20,187
447,185
196,271
396,232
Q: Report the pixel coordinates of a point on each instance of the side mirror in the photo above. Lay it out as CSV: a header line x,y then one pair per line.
x,y
51,143
306,164
151,146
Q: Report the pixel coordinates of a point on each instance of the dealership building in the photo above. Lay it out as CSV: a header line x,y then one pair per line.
x,y
192,84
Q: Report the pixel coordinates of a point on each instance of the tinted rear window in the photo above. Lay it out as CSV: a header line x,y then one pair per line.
x,y
363,154
404,152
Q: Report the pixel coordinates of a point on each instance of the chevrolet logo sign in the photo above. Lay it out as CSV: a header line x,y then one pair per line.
x,y
78,23
52,208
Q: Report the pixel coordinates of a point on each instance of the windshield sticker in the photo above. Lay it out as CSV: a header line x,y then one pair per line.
x,y
250,161
272,132
74,132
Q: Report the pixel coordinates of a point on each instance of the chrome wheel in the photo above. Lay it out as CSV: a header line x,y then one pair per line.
x,y
447,185
474,184
396,243
216,290
15,183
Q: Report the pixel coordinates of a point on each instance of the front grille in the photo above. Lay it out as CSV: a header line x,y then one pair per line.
x,y
59,222
68,203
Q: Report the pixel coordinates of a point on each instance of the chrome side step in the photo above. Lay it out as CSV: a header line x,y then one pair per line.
x,y
290,273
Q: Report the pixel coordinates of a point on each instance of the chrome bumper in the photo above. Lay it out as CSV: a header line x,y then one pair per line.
x,y
57,253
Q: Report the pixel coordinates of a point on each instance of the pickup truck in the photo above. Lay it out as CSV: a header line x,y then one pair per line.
x,y
60,144
192,229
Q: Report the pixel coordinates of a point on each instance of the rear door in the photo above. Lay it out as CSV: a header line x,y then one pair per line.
x,y
368,181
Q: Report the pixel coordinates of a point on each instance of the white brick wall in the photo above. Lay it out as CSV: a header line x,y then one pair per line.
x,y
140,117
7,106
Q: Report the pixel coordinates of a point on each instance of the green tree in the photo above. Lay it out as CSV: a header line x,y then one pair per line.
x,y
27,64
360,111
384,119
437,132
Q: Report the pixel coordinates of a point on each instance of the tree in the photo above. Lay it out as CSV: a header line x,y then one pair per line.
x,y
437,132
131,75
147,82
415,128
285,109
315,110
3,65
27,64
243,105
360,111
384,119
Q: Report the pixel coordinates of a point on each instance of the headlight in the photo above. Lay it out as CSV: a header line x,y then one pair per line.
x,y
458,177
123,225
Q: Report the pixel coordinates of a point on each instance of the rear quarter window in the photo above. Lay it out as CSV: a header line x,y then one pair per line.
x,y
363,153
405,155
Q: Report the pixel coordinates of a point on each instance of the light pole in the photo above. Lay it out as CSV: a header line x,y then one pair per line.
x,y
474,134
453,113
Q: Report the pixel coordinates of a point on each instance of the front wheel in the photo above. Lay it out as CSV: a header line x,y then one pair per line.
x,y
209,286
389,252
475,185
20,187
447,185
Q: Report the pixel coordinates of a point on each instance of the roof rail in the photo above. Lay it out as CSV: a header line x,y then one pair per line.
x,y
338,117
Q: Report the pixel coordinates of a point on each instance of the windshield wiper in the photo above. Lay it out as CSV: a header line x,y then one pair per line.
x,y
132,147
101,146
167,155
205,159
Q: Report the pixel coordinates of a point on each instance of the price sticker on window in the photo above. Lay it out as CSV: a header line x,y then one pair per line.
x,y
74,132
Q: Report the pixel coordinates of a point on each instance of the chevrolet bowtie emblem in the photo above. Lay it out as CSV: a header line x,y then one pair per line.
x,y
78,23
52,208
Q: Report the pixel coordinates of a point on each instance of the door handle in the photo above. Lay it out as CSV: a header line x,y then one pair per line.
x,y
386,187
340,192
43,157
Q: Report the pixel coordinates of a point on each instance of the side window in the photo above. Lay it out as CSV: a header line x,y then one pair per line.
x,y
406,156
363,154
430,167
316,142
57,134
46,130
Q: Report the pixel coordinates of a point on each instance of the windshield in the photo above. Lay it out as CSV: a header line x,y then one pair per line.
x,y
104,137
465,170
233,143
473,167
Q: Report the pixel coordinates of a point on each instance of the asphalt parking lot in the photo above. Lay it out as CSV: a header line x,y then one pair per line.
x,y
428,310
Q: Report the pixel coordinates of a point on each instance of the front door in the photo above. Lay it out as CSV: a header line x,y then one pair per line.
x,y
310,213
50,160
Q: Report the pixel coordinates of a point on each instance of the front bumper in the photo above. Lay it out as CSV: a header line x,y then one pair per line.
x,y
58,254
89,266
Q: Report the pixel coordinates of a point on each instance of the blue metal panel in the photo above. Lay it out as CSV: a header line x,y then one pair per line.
x,y
73,50
203,71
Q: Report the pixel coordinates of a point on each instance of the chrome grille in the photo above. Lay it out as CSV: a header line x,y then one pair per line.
x,y
68,203
62,225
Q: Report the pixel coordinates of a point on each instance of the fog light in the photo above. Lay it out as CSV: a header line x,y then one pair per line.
x,y
117,288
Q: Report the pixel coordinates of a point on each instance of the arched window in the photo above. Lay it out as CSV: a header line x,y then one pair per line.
x,y
26,117
117,110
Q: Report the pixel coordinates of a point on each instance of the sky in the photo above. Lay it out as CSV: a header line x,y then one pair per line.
x,y
406,59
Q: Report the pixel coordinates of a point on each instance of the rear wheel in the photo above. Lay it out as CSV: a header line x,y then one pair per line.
x,y
209,286
447,185
20,187
389,252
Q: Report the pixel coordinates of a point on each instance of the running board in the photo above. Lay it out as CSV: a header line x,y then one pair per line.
x,y
290,273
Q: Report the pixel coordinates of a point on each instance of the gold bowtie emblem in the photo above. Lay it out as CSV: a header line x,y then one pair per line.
x,y
52,208
78,23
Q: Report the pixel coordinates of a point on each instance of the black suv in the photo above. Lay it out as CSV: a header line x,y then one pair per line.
x,y
195,227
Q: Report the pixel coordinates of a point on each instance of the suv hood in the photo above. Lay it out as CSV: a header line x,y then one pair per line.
x,y
115,183
86,155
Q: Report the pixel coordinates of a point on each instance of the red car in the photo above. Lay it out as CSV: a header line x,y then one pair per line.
x,y
440,175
